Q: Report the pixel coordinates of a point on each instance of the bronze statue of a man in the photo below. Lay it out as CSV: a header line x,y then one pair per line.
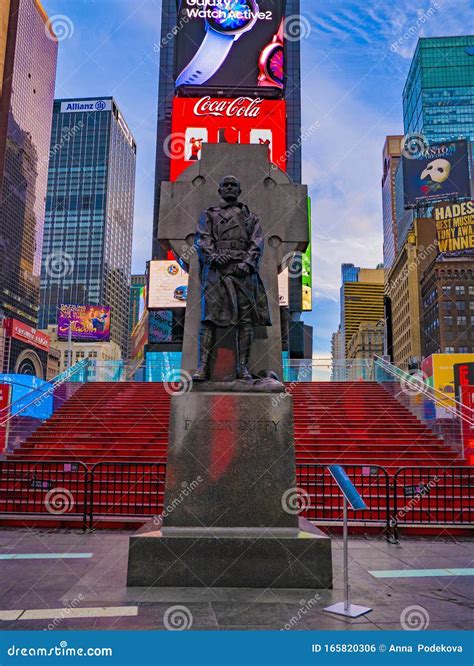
x,y
229,240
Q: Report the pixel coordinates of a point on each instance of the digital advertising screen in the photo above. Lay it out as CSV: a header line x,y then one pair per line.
x,y
440,172
168,289
246,120
88,323
168,285
230,44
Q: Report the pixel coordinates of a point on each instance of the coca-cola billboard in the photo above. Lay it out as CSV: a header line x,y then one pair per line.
x,y
206,119
241,107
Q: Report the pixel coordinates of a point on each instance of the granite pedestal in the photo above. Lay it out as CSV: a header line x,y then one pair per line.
x,y
231,463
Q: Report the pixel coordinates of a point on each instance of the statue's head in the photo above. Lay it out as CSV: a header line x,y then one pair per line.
x,y
229,189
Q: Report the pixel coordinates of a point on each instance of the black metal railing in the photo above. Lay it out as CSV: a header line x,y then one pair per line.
x,y
433,496
322,500
46,488
428,496
126,489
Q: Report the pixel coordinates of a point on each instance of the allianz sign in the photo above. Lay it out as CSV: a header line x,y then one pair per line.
x,y
88,106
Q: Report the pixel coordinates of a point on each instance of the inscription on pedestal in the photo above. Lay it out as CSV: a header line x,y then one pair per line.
x,y
242,447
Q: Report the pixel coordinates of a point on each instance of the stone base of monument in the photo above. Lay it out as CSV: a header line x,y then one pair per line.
x,y
230,509
231,557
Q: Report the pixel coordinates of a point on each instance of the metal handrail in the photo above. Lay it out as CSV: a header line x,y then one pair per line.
x,y
437,396
55,382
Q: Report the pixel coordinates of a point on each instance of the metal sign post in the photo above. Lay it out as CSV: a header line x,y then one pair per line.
x,y
346,607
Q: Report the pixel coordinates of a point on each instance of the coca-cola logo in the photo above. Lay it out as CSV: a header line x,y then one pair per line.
x,y
241,107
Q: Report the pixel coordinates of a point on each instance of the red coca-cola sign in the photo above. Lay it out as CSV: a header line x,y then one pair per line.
x,y
241,107
244,120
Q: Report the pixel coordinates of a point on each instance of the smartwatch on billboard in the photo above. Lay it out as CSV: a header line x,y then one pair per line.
x,y
270,63
224,26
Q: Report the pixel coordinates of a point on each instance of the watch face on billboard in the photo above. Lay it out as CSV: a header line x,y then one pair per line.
x,y
437,173
230,44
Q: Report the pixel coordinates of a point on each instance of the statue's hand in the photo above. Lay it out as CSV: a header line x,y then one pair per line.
x,y
222,259
242,270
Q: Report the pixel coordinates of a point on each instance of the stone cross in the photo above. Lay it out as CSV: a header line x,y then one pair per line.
x,y
282,208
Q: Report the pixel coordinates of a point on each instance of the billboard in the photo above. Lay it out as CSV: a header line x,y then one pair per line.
x,y
27,334
160,326
168,285
306,276
168,288
467,402
206,119
230,44
439,371
88,323
440,172
454,227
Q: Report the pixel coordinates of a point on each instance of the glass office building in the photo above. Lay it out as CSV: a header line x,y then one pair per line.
x,y
87,245
28,60
438,102
438,99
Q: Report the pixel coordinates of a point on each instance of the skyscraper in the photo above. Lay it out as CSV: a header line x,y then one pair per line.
x,y
166,92
391,158
28,55
362,299
87,244
439,93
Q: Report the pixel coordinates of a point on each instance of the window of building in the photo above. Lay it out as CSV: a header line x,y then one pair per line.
x,y
461,321
449,350
460,290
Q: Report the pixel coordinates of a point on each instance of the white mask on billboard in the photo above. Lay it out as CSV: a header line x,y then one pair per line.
x,y
438,170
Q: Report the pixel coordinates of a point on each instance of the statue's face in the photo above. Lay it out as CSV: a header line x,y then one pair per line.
x,y
229,190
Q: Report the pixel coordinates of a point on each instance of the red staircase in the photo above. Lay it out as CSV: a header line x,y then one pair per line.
x,y
348,423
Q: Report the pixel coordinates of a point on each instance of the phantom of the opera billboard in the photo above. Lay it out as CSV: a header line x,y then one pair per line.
x,y
439,173
240,120
88,323
455,228
230,44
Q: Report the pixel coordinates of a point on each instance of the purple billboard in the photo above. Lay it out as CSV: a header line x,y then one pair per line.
x,y
88,323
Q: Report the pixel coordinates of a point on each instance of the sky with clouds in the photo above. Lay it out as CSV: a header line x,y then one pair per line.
x,y
355,58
